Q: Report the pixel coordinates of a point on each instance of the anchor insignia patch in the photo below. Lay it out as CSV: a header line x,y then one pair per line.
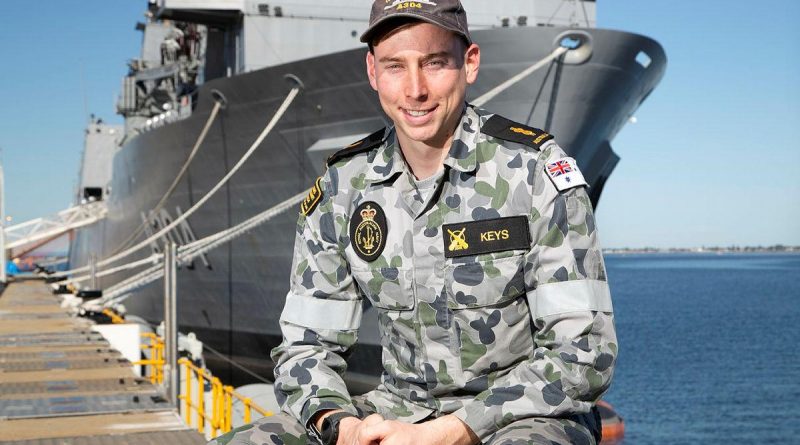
x,y
368,231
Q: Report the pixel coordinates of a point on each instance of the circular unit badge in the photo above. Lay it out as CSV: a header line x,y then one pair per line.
x,y
368,230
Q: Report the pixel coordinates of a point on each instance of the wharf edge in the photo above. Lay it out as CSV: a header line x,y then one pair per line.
x,y
61,380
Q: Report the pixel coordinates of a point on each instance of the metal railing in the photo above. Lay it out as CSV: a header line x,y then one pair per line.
x,y
215,417
38,229
115,318
219,415
155,364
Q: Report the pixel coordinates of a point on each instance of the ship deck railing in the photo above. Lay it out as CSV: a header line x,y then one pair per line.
x,y
209,412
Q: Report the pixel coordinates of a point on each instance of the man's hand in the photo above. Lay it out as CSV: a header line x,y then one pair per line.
x,y
352,428
447,430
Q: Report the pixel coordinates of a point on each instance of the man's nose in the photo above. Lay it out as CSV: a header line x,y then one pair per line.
x,y
416,87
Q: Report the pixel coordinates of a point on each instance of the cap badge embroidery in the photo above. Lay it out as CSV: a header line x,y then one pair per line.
x,y
400,4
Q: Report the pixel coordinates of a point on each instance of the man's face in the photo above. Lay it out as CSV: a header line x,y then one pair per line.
x,y
421,73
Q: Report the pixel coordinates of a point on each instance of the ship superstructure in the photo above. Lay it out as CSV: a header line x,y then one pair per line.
x,y
186,43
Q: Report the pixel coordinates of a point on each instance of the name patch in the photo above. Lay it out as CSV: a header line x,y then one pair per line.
x,y
486,236
368,230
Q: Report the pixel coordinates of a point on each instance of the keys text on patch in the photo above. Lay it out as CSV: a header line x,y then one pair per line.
x,y
486,236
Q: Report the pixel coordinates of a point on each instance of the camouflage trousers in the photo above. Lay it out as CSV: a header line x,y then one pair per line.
x,y
283,429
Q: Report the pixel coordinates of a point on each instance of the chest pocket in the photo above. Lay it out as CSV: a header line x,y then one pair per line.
x,y
386,287
487,282
486,299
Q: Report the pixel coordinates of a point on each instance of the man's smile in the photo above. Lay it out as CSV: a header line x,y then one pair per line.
x,y
417,112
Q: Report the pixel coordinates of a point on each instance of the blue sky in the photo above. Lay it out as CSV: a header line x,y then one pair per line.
x,y
713,159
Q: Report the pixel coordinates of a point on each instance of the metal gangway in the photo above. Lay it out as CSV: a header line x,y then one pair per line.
x,y
29,235
44,229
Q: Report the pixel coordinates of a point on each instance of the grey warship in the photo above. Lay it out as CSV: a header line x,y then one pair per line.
x,y
219,68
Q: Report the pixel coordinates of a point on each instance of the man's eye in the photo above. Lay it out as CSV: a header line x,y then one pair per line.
x,y
437,63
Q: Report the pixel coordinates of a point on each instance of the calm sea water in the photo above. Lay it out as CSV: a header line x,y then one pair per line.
x,y
709,348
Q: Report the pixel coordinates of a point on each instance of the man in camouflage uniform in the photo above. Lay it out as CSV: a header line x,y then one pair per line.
x,y
473,238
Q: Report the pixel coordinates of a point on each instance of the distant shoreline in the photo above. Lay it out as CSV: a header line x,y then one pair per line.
x,y
778,248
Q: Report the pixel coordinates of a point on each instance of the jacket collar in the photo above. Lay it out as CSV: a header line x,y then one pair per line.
x,y
388,159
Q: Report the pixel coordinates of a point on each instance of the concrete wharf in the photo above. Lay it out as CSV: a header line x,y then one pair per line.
x,y
62,383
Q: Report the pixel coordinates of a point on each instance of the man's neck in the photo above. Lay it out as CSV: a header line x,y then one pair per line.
x,y
426,158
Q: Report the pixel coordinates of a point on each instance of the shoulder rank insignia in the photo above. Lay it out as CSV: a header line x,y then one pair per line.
x,y
507,130
312,199
361,146
565,174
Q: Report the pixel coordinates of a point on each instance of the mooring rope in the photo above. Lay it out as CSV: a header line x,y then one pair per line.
x,y
121,291
152,259
281,110
217,105
489,95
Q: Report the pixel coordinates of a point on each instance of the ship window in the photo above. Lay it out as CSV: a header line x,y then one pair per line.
x,y
643,59
504,22
92,193
263,9
522,20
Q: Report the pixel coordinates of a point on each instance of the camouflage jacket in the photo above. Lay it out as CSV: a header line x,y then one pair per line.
x,y
491,295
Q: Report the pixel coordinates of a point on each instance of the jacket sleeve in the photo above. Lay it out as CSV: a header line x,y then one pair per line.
x,y
575,343
320,318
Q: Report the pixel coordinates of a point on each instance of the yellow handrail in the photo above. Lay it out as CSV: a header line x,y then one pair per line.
x,y
219,416
115,318
156,360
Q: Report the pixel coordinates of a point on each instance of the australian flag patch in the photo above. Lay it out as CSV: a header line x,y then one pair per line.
x,y
565,174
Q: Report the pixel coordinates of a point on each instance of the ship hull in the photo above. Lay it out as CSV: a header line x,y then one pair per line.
x,y
233,302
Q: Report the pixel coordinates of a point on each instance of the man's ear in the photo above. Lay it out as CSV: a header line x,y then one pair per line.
x,y
371,70
472,62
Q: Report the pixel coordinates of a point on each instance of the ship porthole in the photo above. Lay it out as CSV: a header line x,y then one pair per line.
x,y
578,44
